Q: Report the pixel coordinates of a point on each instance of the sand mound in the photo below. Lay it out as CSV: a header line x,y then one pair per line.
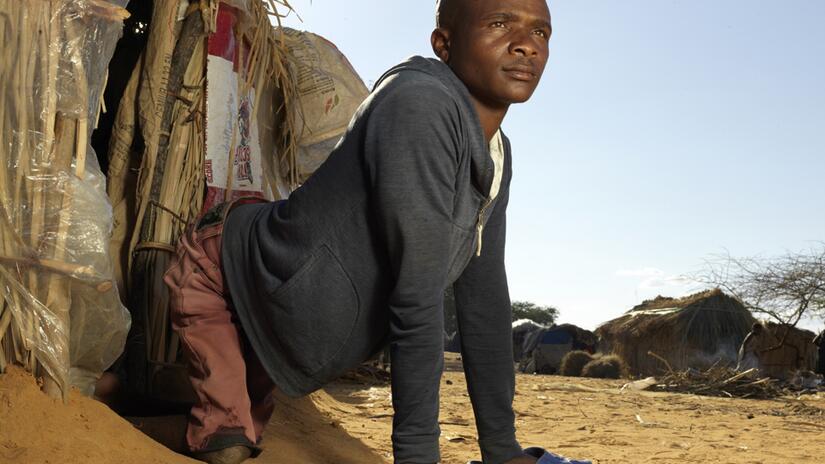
x,y
37,429
307,430
34,429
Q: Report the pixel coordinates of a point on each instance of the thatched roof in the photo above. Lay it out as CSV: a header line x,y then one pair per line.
x,y
705,316
664,302
692,331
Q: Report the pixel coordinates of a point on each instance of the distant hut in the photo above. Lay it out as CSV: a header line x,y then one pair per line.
x,y
522,328
778,350
545,348
697,331
452,342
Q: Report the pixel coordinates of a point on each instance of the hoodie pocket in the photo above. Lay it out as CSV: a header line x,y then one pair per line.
x,y
315,312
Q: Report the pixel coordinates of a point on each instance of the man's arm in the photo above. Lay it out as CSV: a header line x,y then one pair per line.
x,y
411,152
485,324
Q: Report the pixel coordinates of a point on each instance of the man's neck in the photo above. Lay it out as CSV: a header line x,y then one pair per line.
x,y
490,116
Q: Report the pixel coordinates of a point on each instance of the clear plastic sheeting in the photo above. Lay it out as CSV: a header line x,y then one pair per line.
x,y
60,313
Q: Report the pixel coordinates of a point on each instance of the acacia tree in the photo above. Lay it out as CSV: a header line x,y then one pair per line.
x,y
784,288
545,315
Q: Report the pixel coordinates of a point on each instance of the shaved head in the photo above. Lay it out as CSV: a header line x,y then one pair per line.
x,y
497,48
447,12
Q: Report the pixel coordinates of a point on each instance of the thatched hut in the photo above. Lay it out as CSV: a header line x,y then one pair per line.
x,y
522,328
697,331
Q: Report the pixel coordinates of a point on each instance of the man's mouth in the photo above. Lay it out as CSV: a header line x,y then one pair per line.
x,y
521,72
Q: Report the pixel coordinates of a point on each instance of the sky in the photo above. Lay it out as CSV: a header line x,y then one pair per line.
x,y
664,133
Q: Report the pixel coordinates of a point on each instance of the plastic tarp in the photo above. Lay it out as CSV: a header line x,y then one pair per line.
x,y
56,271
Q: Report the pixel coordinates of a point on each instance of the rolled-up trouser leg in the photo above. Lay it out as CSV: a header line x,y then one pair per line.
x,y
261,391
216,352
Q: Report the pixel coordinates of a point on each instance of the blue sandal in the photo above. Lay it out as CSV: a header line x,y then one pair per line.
x,y
545,457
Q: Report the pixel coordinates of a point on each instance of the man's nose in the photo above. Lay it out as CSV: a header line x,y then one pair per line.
x,y
523,44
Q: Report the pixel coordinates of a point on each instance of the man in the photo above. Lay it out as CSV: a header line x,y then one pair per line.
x,y
819,341
411,201
748,358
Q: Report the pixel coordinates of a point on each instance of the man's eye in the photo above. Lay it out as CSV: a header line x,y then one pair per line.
x,y
542,34
497,24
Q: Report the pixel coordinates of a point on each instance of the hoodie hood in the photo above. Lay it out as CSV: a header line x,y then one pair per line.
x,y
483,168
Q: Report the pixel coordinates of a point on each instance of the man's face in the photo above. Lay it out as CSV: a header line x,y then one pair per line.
x,y
499,48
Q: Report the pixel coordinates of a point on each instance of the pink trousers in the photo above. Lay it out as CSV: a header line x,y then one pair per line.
x,y
235,395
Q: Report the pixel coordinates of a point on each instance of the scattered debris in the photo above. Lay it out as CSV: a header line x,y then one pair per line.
x,y
639,385
725,382
721,381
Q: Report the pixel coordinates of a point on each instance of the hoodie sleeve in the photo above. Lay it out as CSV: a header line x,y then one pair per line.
x,y
411,151
485,324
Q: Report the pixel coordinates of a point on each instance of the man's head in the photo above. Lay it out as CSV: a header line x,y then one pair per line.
x,y
756,328
498,48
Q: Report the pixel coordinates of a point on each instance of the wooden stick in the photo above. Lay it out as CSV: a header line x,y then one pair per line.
x,y
83,273
5,321
670,369
57,299
48,58
739,376
233,148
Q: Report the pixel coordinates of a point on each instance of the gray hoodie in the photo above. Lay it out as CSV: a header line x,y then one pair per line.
x,y
361,254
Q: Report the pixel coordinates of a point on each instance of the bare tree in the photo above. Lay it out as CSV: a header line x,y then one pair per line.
x,y
785,288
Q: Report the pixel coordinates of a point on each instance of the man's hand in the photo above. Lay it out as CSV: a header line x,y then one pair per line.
x,y
523,460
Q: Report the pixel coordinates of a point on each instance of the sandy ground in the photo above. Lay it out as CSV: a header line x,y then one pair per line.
x,y
591,419
35,429
351,422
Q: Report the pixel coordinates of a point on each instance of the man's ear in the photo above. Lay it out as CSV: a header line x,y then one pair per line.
x,y
440,40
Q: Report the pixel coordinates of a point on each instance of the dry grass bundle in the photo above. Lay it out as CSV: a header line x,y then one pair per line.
x,y
170,190
48,95
697,331
573,362
605,367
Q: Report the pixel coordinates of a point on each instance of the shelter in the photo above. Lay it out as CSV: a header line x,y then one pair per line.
x,y
697,331
544,348
221,105
779,350
522,328
452,342
203,101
